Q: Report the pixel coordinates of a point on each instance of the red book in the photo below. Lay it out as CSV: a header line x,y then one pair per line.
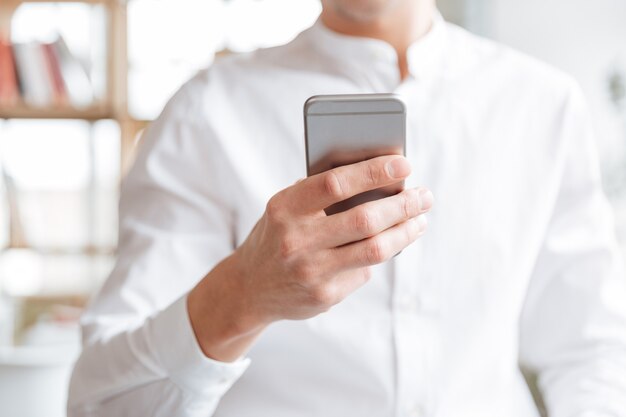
x,y
75,79
9,93
54,74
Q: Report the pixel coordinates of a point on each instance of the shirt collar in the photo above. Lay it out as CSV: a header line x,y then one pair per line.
x,y
424,55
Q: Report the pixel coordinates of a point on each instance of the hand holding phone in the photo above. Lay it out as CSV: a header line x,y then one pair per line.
x,y
298,262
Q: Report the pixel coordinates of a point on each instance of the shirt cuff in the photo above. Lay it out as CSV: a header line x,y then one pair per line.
x,y
178,353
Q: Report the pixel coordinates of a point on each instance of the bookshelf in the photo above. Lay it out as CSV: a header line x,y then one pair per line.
x,y
114,103
68,275
111,106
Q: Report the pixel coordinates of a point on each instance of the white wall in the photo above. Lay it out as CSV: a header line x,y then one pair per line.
x,y
586,38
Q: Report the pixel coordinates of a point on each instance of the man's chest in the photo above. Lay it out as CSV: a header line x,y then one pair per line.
x,y
491,182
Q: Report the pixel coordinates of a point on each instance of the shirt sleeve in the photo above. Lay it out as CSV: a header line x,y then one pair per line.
x,y
140,355
573,326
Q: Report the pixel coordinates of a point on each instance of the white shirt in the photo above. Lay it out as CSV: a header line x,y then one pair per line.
x,y
519,264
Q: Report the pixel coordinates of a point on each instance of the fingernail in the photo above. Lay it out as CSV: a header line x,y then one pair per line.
x,y
398,168
422,222
426,199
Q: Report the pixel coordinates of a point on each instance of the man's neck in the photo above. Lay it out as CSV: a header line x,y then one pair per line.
x,y
399,27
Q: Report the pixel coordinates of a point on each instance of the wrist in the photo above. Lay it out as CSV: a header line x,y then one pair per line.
x,y
222,313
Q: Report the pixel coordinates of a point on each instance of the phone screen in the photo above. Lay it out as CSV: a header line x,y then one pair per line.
x,y
346,129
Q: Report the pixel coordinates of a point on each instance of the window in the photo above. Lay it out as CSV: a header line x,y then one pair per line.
x,y
169,40
60,192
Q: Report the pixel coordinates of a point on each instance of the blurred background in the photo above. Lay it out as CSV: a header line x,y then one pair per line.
x,y
92,74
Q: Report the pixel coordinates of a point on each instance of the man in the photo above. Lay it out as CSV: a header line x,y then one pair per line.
x,y
211,311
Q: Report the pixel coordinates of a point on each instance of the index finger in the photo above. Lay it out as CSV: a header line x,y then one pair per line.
x,y
320,191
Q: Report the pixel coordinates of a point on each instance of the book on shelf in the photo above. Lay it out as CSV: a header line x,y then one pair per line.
x,y
43,75
54,74
9,91
75,79
33,74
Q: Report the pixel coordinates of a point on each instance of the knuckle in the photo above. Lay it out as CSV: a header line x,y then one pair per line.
x,y
364,221
306,273
374,251
274,208
289,245
323,294
409,204
372,173
332,185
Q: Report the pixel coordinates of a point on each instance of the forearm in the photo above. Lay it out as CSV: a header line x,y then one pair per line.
x,y
222,315
159,357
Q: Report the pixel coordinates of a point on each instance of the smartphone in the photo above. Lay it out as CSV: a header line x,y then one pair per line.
x,y
345,129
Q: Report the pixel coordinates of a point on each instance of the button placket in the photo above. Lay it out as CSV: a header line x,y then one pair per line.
x,y
409,338
409,304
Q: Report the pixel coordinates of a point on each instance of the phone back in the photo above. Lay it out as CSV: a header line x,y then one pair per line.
x,y
345,129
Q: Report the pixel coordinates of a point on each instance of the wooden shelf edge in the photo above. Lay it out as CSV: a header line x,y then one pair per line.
x,y
18,2
93,113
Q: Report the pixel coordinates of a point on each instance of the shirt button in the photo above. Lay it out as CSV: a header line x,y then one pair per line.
x,y
409,304
415,411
